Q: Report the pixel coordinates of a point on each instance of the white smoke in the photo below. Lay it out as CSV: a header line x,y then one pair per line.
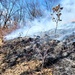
x,y
68,13
45,24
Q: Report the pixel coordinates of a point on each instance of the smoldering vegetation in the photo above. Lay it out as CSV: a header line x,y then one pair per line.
x,y
52,53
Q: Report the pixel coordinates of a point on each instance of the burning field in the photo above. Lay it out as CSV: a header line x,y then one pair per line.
x,y
37,56
37,37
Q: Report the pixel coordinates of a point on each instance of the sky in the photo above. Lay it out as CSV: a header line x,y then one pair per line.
x,y
45,23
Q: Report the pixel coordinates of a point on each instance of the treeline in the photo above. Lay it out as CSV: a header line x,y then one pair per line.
x,y
12,12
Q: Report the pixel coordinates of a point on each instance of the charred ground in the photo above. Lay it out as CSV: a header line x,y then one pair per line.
x,y
45,53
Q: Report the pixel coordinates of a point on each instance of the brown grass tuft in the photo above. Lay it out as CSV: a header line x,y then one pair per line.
x,y
5,30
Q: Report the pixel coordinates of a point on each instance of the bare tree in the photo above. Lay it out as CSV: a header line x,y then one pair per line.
x,y
7,10
48,4
6,14
14,8
33,9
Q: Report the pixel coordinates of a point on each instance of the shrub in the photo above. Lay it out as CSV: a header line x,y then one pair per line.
x,y
56,15
5,30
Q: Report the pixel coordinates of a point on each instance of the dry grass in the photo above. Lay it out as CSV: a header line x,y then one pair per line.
x,y
27,68
1,43
5,30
